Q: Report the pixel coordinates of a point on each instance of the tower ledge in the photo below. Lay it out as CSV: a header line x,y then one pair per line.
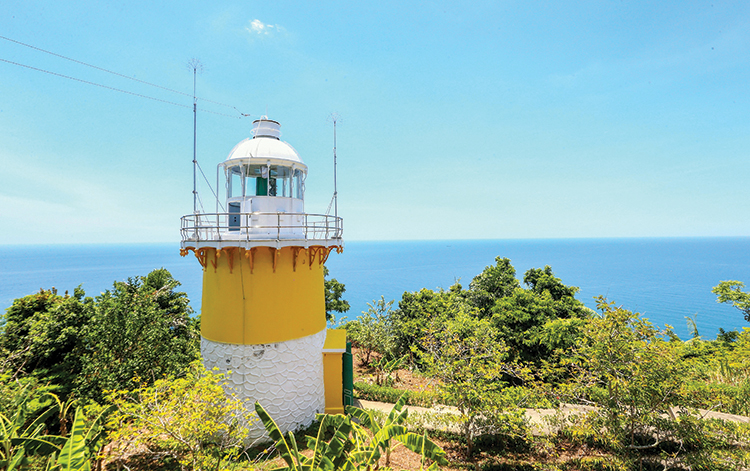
x,y
256,229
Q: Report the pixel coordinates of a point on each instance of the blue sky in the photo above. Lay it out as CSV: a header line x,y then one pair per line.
x,y
458,120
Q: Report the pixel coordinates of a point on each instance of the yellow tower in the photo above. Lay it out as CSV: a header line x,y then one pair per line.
x,y
263,307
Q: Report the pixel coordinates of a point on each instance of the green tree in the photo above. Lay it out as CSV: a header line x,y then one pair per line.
x,y
373,330
465,354
638,377
334,290
79,345
141,330
731,292
415,312
41,336
543,280
625,366
493,283
528,320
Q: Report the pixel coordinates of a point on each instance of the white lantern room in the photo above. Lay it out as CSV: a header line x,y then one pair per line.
x,y
263,202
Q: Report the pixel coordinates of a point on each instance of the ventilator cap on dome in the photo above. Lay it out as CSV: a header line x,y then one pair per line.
x,y
265,127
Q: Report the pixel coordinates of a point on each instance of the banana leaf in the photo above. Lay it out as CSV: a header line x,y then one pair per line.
x,y
43,446
424,446
275,433
74,453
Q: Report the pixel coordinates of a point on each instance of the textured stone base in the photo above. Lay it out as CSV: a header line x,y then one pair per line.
x,y
285,377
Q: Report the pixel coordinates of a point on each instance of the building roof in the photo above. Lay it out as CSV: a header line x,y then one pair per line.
x,y
265,148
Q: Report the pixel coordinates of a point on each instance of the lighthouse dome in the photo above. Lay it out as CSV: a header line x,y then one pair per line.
x,y
265,147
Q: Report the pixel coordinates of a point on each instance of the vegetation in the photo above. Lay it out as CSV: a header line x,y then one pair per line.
x,y
373,331
354,445
25,444
192,420
469,361
503,345
627,368
78,346
731,292
113,381
373,392
333,296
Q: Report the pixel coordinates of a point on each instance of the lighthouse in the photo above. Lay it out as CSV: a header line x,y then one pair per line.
x,y
263,306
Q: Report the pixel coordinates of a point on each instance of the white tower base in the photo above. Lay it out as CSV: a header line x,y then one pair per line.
x,y
286,378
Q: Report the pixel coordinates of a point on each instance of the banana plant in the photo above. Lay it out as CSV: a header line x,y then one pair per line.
x,y
351,447
393,429
74,453
18,442
63,409
290,454
82,444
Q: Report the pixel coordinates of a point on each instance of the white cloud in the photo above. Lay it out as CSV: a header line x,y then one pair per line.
x,y
262,29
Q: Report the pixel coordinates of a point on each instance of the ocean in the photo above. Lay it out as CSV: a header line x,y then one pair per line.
x,y
665,279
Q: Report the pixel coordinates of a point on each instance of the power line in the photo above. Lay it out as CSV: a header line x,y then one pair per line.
x,y
115,73
194,64
119,89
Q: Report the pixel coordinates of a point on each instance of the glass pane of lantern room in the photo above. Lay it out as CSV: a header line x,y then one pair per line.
x,y
255,185
299,184
282,181
235,182
276,180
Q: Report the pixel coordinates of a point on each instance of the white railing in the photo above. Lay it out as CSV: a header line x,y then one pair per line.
x,y
220,227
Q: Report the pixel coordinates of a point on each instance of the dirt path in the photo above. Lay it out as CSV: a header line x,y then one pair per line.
x,y
536,416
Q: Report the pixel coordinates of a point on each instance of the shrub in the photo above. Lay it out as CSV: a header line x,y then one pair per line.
x,y
190,419
373,392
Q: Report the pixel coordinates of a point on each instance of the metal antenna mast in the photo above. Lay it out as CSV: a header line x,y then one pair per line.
x,y
335,118
196,66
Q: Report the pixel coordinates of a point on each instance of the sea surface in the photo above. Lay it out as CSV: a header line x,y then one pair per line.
x,y
665,279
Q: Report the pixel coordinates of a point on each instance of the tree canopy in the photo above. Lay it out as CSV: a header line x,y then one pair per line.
x,y
731,292
138,331
334,291
528,320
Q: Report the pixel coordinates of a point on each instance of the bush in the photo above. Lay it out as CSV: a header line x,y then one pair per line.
x,y
638,380
191,419
373,392
725,398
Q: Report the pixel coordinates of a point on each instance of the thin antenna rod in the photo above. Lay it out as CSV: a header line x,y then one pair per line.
x,y
195,146
196,66
335,118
